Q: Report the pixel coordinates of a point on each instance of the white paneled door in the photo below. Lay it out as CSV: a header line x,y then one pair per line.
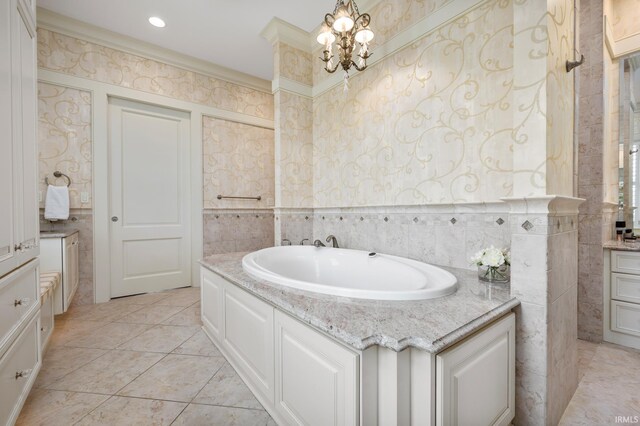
x,y
149,198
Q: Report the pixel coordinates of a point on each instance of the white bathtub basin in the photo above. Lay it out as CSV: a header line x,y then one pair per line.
x,y
349,273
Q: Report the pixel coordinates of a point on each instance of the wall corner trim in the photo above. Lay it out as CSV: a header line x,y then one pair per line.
x,y
73,28
292,86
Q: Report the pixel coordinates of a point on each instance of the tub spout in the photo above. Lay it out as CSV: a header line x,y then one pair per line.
x,y
333,240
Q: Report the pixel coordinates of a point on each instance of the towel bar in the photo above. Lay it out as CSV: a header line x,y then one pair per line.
x,y
220,197
58,174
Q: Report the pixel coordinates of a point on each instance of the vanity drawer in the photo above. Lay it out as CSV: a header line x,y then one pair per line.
x,y
625,318
19,297
625,287
627,262
18,370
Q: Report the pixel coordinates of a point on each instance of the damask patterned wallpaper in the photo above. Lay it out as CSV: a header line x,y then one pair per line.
x,y
388,18
64,140
237,161
432,123
81,58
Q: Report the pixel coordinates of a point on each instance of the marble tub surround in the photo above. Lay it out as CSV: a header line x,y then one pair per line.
x,y
544,275
233,230
81,221
124,372
294,225
447,234
429,325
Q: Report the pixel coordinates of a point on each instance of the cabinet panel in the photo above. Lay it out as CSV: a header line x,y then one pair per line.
x,y
476,378
248,336
625,262
211,303
625,287
625,318
7,255
19,293
70,268
316,378
18,369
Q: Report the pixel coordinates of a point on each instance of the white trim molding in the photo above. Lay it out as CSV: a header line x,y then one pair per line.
x,y
622,47
288,85
278,30
70,27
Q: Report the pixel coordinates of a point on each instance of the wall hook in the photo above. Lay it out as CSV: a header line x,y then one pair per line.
x,y
573,64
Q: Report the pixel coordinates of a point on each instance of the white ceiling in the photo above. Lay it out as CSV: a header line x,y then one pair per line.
x,y
225,32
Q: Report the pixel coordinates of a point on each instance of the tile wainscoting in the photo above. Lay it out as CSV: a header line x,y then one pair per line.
x,y
82,220
234,230
442,234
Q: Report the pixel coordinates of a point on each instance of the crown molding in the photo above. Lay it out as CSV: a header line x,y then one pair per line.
x,y
278,30
71,27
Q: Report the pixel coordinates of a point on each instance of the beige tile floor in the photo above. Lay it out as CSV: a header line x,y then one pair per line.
x,y
140,360
144,360
609,386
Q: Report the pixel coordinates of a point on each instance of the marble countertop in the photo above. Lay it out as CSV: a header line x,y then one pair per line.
x,y
57,234
430,325
622,245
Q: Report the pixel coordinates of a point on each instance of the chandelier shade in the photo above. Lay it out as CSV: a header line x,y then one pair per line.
x,y
348,30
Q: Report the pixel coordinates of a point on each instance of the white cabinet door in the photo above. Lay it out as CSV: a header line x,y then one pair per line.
x,y
248,337
316,378
23,68
7,187
476,378
211,286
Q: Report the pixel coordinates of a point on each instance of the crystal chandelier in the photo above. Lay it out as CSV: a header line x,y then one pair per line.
x,y
348,28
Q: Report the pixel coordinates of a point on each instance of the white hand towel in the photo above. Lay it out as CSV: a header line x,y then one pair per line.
x,y
56,206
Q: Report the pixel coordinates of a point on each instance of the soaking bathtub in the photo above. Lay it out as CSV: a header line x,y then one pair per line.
x,y
349,273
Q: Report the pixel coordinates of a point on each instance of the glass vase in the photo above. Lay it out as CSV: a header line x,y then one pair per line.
x,y
494,274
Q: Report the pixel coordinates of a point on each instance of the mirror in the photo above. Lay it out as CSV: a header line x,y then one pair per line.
x,y
629,143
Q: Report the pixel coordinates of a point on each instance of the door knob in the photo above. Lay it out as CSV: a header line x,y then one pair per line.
x,y
114,219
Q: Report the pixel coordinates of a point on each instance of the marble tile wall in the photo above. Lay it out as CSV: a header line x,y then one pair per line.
x,y
591,168
445,235
544,277
294,225
228,231
82,220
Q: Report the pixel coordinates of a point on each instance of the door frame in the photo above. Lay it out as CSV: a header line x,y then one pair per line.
x,y
100,93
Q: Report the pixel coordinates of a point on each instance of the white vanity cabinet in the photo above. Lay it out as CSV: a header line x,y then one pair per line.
x,y
61,254
475,379
622,298
305,377
19,226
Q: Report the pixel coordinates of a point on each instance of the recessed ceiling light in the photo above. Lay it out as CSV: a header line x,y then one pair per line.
x,y
157,22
